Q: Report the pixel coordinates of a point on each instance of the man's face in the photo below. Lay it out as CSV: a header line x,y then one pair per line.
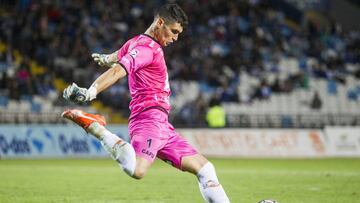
x,y
167,33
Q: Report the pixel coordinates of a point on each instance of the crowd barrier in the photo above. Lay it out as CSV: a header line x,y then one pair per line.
x,y
51,141
257,142
60,141
343,141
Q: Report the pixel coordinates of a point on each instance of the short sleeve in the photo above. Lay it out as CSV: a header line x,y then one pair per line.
x,y
136,58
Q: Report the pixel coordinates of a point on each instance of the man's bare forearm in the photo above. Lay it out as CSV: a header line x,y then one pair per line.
x,y
108,78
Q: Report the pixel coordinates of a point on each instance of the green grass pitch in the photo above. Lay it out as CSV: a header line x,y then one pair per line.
x,y
245,181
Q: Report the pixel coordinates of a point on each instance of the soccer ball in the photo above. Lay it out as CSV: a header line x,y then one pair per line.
x,y
268,201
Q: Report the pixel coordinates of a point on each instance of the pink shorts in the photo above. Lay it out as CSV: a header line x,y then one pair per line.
x,y
153,136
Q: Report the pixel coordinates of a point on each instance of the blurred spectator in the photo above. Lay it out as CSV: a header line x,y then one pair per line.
x,y
192,114
215,115
263,91
316,102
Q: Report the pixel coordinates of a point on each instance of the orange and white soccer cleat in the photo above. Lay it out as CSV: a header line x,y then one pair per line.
x,y
82,118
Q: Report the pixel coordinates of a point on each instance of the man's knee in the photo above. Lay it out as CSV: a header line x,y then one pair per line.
x,y
142,166
139,173
193,163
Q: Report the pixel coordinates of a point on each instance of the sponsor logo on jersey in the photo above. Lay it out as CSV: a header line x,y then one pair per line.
x,y
133,53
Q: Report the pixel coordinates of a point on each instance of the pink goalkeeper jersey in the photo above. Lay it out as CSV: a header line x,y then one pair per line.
x,y
144,61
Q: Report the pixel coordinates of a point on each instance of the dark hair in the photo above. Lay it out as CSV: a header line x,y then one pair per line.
x,y
172,13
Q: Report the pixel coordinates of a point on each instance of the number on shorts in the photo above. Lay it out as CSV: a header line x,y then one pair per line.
x,y
149,142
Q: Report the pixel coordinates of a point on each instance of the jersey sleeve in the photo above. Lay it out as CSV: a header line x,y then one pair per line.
x,y
138,57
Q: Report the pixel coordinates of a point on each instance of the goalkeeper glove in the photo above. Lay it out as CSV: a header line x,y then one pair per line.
x,y
78,94
102,59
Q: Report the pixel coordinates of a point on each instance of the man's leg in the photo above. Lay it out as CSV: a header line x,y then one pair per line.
x,y
119,150
183,156
209,185
142,166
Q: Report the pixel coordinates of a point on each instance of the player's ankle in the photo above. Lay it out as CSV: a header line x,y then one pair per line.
x,y
96,129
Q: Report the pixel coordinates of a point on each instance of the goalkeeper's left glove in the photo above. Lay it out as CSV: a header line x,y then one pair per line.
x,y
102,59
78,94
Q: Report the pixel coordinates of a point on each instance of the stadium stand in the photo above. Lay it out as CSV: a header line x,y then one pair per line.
x,y
264,65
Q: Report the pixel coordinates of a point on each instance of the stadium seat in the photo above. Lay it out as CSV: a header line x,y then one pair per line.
x,y
35,107
4,100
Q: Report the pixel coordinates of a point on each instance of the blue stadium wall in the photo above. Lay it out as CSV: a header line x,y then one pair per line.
x,y
51,141
70,141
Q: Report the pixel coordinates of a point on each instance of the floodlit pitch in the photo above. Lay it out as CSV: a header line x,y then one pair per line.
x,y
246,180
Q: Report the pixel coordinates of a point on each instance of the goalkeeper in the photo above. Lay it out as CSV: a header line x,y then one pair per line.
x,y
141,59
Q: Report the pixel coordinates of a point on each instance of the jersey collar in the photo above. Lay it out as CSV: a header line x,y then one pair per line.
x,y
152,39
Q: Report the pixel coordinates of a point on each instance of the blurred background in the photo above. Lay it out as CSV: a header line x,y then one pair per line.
x,y
281,63
239,64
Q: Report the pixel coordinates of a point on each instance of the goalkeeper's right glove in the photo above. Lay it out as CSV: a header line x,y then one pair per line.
x,y
78,94
102,59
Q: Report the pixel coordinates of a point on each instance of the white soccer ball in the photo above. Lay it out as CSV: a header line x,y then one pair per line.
x,y
268,201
